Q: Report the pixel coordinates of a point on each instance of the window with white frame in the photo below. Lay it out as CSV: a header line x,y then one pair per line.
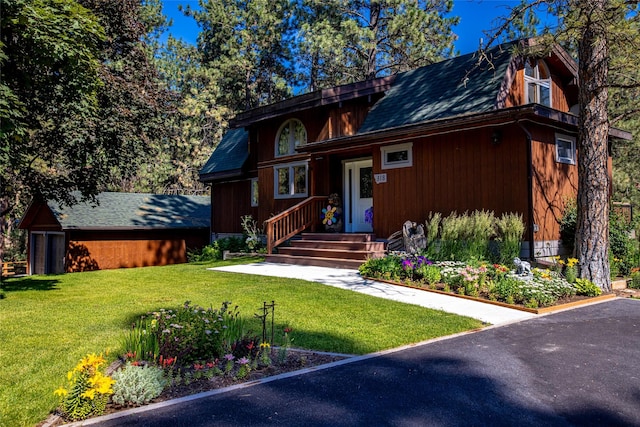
x,y
397,156
565,149
254,192
290,180
537,82
291,135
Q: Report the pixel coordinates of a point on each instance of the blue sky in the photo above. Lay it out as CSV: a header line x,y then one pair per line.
x,y
475,16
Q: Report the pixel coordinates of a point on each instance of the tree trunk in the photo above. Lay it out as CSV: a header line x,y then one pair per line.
x,y
374,23
592,231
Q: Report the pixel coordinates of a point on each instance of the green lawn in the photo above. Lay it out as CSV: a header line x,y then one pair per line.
x,y
47,323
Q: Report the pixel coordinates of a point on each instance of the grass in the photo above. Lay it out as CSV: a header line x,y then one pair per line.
x,y
47,323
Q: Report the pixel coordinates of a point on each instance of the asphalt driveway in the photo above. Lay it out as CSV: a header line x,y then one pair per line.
x,y
577,367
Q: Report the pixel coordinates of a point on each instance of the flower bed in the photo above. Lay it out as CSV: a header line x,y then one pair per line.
x,y
176,352
489,282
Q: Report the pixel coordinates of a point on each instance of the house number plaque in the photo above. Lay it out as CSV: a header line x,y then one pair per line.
x,y
380,178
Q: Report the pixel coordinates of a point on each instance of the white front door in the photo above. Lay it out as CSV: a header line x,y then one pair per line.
x,y
358,190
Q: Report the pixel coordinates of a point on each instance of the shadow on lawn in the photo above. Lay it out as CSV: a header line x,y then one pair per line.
x,y
30,284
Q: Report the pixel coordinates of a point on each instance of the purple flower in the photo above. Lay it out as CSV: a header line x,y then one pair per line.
x,y
229,357
407,264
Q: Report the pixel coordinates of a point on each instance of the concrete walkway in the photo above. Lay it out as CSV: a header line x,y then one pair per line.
x,y
351,280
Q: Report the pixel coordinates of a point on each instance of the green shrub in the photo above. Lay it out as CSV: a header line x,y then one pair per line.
x,y
506,288
621,246
635,280
568,223
587,288
389,268
430,274
137,385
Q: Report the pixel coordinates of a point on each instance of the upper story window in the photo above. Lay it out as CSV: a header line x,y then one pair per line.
x,y
291,135
537,82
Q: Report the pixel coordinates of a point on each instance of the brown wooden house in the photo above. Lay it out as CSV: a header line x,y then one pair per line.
x,y
446,137
122,230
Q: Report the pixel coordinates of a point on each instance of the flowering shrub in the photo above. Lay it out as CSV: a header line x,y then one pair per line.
x,y
88,389
188,334
494,281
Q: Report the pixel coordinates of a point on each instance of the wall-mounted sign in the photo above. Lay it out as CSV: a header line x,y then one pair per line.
x,y
380,178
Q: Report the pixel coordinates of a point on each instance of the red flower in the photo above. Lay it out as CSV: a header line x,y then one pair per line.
x,y
250,346
198,366
287,330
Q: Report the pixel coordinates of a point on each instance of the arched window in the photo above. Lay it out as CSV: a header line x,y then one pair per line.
x,y
291,135
537,82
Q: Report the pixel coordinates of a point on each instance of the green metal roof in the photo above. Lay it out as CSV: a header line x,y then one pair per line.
x,y
135,211
229,155
449,88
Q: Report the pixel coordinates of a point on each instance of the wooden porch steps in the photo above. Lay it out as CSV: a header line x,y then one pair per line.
x,y
338,250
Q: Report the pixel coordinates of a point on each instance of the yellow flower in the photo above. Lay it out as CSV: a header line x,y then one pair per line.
x,y
101,383
61,391
265,345
561,262
571,262
89,394
70,374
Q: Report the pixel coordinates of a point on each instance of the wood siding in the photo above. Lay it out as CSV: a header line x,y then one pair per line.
x,y
455,172
88,250
553,184
230,201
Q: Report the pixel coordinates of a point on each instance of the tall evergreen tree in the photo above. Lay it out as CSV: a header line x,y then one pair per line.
x,y
342,41
246,43
199,119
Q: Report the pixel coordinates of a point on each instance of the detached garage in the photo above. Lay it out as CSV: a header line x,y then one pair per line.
x,y
122,230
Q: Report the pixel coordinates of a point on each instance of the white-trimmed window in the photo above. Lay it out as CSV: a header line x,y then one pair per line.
x,y
290,180
537,82
254,192
565,149
397,156
291,135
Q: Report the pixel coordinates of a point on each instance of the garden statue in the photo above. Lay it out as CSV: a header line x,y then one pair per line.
x,y
332,214
414,239
523,268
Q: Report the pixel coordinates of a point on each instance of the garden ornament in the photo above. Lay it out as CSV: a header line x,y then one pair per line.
x,y
523,268
414,239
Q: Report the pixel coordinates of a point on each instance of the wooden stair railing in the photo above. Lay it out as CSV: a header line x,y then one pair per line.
x,y
294,220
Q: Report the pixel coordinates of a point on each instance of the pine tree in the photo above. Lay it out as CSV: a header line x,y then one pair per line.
x,y
343,41
246,43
